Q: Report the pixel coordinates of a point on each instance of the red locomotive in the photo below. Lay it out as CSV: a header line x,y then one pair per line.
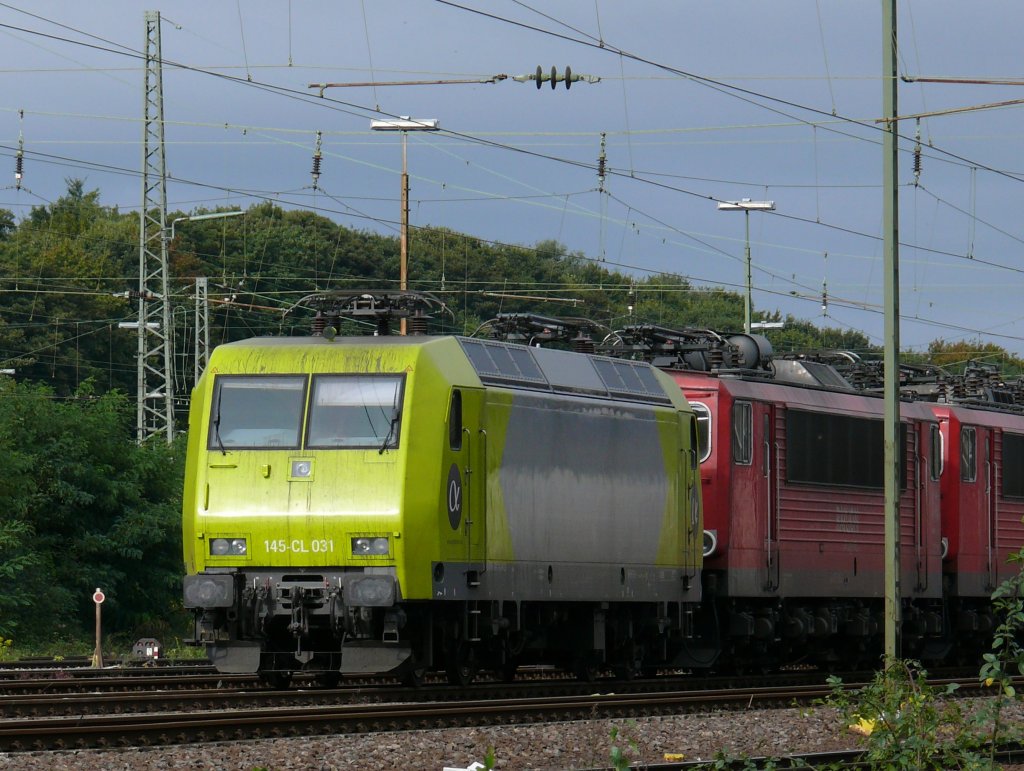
x,y
792,474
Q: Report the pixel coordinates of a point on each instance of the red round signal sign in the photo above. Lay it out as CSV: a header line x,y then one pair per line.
x,y
98,597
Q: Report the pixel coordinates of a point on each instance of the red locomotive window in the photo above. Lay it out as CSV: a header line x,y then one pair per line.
x,y
936,452
1013,465
826,449
968,454
742,433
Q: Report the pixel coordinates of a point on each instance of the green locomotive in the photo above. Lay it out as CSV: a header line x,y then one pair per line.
x,y
403,503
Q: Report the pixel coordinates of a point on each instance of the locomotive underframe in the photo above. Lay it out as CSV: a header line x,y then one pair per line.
x,y
279,622
766,632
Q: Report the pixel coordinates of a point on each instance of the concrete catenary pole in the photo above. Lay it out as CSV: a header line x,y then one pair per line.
x,y
890,238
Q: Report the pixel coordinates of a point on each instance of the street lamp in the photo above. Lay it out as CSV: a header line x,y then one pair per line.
x,y
745,205
211,216
405,124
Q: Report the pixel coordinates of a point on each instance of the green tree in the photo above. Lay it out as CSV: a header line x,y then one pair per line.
x,y
62,264
15,557
955,355
102,511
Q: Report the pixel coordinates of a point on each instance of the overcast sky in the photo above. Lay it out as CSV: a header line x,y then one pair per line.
x,y
699,102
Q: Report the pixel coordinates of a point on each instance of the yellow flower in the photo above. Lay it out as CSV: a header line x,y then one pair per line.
x,y
864,726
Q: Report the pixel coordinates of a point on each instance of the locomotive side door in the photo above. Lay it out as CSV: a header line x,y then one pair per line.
x,y
987,440
465,486
766,502
918,475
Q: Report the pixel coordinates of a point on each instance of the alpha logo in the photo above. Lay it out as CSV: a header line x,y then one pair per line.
x,y
454,496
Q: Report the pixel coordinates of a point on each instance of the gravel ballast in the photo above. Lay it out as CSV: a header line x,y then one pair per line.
x,y
548,746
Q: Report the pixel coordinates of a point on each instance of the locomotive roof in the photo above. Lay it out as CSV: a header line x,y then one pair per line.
x,y
800,396
519,366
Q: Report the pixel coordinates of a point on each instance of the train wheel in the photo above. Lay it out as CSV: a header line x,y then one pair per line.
x,y
414,674
278,679
461,668
328,679
508,671
586,670
627,671
630,662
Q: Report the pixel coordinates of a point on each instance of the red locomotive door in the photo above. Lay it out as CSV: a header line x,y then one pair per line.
x,y
921,500
766,499
987,439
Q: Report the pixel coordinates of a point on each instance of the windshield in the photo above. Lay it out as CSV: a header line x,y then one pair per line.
x,y
257,411
355,411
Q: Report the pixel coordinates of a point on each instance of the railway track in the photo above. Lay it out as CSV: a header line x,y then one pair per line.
x,y
84,663
236,695
114,720
127,719
79,731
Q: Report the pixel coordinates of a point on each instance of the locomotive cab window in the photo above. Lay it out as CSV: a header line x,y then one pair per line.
x,y
742,433
968,454
455,421
1013,465
703,415
936,452
355,411
256,411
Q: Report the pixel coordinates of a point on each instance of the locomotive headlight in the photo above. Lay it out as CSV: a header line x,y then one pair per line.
x,y
228,547
366,546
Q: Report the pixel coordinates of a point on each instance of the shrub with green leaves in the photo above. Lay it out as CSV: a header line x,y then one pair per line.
x,y
908,723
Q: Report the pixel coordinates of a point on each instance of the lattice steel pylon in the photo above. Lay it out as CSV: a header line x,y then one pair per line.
x,y
202,345
155,353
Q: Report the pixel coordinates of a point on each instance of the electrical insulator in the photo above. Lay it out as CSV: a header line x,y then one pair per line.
x,y
19,161
539,77
317,157
917,154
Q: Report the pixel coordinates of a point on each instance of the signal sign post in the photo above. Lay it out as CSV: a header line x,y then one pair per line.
x,y
97,657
